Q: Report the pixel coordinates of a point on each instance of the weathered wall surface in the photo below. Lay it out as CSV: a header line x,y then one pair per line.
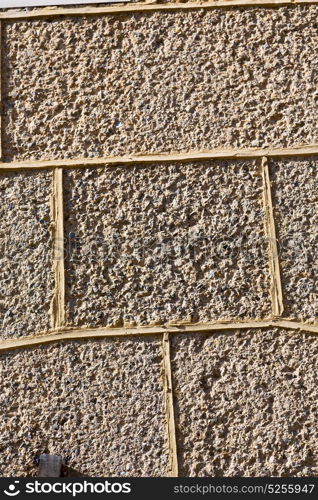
x,y
26,275
246,403
100,403
295,191
161,243
165,242
160,81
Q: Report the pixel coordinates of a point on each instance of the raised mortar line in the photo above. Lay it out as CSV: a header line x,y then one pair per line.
x,y
276,285
94,333
149,6
295,325
171,426
58,301
1,92
213,154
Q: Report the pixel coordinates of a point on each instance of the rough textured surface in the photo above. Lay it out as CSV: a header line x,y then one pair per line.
x,y
160,81
99,403
79,5
26,253
246,403
93,5
76,5
165,242
295,193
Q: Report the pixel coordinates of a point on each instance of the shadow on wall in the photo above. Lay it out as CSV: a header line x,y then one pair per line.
x,y
70,472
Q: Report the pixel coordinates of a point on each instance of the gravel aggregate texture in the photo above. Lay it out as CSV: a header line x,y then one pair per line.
x,y
246,403
295,194
73,6
159,81
98,404
26,274
164,243
78,5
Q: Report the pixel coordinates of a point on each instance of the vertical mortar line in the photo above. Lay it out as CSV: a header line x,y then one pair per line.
x,y
171,426
1,92
276,285
58,301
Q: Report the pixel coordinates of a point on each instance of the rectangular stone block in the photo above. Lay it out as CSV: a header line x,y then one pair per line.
x,y
98,404
26,276
159,81
246,403
295,195
162,243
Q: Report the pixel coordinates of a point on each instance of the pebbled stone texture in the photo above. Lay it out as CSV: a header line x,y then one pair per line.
x,y
81,5
246,403
162,243
295,193
99,403
26,277
93,5
160,81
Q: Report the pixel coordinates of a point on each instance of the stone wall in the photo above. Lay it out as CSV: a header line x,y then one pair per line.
x,y
170,248
160,81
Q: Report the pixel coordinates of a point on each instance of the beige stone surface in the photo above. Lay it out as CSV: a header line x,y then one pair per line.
x,y
99,403
73,6
169,242
97,4
160,81
295,194
26,275
246,403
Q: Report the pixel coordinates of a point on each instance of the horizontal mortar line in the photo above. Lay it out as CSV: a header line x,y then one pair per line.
x,y
149,6
68,334
226,154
